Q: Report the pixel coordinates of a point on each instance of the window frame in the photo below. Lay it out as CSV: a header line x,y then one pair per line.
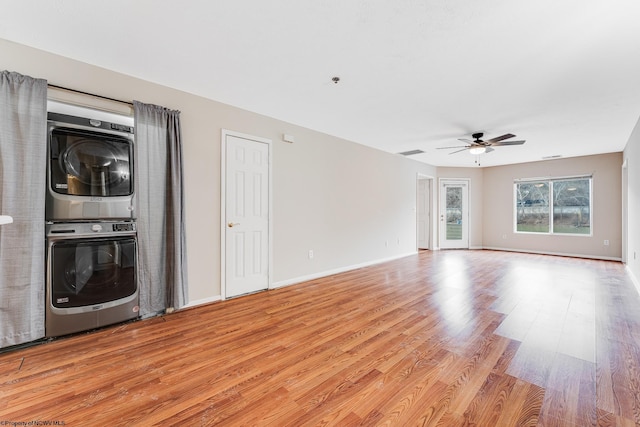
x,y
549,181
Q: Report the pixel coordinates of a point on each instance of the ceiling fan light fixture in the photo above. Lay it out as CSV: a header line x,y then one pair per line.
x,y
477,150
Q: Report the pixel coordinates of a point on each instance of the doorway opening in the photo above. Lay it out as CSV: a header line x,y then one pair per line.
x,y
424,203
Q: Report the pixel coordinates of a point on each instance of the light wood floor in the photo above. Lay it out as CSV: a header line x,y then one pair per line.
x,y
444,338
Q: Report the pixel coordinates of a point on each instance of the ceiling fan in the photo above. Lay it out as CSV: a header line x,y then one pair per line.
x,y
478,146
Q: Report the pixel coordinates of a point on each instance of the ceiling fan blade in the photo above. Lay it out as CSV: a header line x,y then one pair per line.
x,y
455,146
488,150
506,143
468,141
500,138
457,151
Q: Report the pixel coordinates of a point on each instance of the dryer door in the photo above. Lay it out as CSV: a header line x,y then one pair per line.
x,y
85,163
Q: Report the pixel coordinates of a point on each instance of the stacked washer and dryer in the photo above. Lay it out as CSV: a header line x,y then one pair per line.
x,y
91,245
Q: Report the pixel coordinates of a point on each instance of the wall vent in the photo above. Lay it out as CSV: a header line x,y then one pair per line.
x,y
411,153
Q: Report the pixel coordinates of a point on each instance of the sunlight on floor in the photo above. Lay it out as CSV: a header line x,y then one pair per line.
x,y
551,309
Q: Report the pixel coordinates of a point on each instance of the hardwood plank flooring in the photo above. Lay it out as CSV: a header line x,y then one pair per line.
x,y
448,338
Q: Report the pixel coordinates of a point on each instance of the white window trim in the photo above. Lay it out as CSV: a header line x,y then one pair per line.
x,y
550,181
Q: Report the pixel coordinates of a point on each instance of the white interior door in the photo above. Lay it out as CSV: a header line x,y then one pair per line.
x,y
454,214
423,212
246,220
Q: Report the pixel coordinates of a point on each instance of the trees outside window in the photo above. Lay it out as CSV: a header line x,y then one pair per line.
x,y
532,207
558,206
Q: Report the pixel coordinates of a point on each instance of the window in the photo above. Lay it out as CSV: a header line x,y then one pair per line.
x,y
553,206
532,207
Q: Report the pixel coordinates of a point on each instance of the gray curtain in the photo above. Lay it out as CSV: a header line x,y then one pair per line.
x,y
162,275
23,136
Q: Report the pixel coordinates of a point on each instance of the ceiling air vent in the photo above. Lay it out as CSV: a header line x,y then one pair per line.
x,y
411,153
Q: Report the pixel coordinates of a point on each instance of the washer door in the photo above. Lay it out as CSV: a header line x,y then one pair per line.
x,y
85,163
86,272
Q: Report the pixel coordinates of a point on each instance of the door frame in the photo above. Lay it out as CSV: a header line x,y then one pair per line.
x,y
223,206
625,210
432,206
466,215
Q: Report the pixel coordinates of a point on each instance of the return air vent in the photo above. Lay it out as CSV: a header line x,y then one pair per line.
x,y
411,153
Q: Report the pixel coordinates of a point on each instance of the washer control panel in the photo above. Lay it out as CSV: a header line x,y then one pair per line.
x,y
80,229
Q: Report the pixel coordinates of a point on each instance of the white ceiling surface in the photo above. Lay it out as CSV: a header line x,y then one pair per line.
x,y
414,74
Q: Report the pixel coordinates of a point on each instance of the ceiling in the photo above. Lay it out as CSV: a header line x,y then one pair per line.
x,y
414,74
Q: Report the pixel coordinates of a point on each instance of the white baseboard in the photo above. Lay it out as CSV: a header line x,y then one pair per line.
x,y
472,248
202,301
301,279
527,251
634,279
318,275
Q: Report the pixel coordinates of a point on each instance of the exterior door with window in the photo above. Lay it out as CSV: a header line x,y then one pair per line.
x,y
454,214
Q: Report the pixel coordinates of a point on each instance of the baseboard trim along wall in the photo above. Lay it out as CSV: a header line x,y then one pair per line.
x,y
318,275
202,302
326,273
526,251
634,279
301,279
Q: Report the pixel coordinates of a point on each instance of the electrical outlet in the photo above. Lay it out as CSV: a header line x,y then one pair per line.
x,y
606,242
504,236
310,253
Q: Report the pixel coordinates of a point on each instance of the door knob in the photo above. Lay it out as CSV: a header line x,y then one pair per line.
x,y
231,224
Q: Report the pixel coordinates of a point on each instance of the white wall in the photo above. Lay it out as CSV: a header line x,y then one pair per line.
x,y
491,206
632,158
340,199
348,203
606,199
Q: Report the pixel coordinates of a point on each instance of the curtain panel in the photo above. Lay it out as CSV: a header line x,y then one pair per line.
x,y
23,136
162,276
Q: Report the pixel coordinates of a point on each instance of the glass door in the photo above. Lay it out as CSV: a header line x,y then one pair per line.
x,y
454,215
